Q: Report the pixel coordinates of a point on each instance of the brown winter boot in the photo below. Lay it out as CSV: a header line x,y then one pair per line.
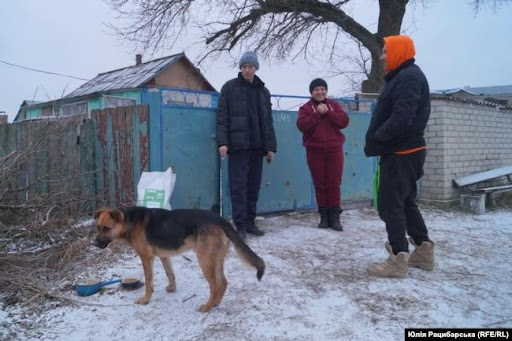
x,y
393,267
423,255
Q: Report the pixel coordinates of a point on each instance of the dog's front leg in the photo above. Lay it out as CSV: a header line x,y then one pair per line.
x,y
147,265
166,262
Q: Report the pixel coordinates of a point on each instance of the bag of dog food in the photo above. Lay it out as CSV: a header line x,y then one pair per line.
x,y
155,188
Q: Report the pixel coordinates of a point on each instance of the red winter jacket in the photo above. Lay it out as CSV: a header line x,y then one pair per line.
x,y
322,131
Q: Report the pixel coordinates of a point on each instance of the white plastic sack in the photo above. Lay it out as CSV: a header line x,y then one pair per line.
x,y
155,188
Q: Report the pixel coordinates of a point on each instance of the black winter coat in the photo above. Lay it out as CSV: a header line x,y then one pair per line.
x,y
233,116
401,113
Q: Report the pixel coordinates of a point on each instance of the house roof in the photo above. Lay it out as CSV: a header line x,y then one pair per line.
x,y
479,91
25,103
129,77
28,102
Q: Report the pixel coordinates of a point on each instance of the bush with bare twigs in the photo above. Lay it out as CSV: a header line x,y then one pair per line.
x,y
42,196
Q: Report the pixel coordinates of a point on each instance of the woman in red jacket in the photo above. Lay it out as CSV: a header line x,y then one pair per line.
x,y
320,121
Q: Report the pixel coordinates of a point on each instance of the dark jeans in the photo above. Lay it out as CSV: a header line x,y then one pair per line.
x,y
245,169
397,199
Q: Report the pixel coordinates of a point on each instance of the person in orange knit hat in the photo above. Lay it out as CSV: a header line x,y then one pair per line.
x,y
395,134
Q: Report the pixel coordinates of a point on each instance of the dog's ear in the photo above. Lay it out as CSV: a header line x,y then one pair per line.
x,y
117,215
99,212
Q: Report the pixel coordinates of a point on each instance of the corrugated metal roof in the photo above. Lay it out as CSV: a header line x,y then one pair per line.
x,y
479,91
126,78
492,90
466,100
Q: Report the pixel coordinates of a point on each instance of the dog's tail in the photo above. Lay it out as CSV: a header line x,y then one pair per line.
x,y
243,251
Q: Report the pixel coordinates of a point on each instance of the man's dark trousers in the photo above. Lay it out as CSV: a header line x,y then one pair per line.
x,y
397,199
245,170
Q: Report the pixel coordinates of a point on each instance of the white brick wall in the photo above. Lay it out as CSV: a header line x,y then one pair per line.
x,y
463,138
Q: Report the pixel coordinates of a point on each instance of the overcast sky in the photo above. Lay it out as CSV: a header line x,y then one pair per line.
x,y
454,47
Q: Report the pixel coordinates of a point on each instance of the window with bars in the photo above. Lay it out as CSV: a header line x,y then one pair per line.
x,y
114,102
80,108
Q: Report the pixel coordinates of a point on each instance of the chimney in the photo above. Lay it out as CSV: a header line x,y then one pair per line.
x,y
3,118
138,59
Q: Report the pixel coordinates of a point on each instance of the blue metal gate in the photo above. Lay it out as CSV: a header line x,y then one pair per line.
x,y
182,136
287,184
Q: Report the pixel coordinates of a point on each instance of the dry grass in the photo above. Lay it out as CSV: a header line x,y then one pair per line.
x,y
41,193
37,260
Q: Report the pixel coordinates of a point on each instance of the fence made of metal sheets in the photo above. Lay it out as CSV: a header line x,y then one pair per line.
x,y
182,136
176,128
121,152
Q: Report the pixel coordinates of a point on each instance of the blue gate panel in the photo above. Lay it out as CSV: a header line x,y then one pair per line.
x,y
188,146
286,183
357,169
182,136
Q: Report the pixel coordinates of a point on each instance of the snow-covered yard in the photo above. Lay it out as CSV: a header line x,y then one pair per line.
x,y
315,287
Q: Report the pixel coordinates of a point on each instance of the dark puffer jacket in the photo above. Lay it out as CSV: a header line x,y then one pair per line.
x,y
233,121
322,132
401,114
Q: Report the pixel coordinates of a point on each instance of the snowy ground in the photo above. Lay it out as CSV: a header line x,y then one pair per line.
x,y
315,288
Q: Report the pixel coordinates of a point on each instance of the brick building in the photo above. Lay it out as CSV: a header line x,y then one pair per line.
x,y
463,137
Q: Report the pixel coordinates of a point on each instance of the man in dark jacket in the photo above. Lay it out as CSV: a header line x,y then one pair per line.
x,y
396,135
245,131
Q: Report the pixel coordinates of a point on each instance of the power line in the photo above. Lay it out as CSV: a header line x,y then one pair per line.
x,y
48,72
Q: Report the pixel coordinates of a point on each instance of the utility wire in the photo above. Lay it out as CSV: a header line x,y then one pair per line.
x,y
48,72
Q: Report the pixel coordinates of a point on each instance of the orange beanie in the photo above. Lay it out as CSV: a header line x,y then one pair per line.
x,y
398,50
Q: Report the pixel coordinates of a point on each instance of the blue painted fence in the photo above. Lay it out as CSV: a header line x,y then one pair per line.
x,y
182,136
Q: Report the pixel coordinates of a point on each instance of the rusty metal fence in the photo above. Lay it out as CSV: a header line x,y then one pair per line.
x,y
73,161
121,152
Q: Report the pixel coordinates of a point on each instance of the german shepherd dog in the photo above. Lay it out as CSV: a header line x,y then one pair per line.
x,y
155,232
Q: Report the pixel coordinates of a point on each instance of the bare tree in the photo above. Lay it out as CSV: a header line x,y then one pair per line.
x,y
277,28
494,4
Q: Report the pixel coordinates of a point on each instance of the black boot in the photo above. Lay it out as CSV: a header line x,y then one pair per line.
x,y
324,218
241,230
253,229
334,218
